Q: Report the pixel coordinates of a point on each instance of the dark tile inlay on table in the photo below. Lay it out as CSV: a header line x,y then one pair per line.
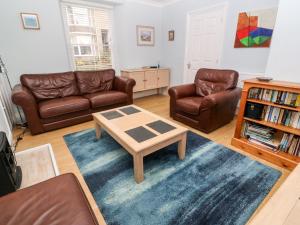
x,y
129,110
140,134
111,115
161,126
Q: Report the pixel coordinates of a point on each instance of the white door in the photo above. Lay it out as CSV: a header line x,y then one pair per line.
x,y
204,40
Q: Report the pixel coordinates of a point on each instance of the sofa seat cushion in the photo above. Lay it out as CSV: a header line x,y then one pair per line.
x,y
106,98
59,200
193,105
61,106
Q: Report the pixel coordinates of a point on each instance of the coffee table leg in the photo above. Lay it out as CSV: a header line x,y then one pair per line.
x,y
138,166
98,130
182,147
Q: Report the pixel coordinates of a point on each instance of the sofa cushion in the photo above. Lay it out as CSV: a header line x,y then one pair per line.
x,y
61,106
193,105
52,85
211,81
94,81
106,98
59,200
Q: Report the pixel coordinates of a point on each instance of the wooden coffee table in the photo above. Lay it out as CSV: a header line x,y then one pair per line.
x,y
140,132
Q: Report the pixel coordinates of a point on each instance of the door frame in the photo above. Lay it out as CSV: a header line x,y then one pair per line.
x,y
219,6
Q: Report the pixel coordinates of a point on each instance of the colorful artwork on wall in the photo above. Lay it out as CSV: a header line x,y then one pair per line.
x,y
255,29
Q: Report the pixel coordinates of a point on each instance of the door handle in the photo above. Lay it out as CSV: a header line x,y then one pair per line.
x,y
189,65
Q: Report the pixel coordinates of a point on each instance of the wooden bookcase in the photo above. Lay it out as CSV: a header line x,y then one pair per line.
x,y
279,158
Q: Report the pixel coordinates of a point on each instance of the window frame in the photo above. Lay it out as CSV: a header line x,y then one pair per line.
x,y
69,45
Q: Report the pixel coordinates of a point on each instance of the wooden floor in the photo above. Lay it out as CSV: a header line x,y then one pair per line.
x,y
155,104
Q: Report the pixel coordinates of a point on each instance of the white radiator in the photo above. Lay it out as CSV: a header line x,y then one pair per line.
x,y
5,124
7,115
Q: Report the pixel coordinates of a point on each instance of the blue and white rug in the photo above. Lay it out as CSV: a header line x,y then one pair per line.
x,y
213,185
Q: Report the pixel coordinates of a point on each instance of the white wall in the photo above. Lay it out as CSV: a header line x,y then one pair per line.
x,y
26,51
127,17
45,51
29,51
247,60
284,57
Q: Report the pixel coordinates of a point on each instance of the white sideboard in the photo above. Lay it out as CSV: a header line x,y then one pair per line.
x,y
148,79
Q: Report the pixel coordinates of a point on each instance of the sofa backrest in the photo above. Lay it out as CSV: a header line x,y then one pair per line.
x,y
210,81
94,81
51,85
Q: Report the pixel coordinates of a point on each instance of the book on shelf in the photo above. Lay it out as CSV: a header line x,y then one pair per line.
x,y
281,116
275,96
271,139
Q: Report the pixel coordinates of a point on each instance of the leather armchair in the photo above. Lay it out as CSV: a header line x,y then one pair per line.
x,y
208,103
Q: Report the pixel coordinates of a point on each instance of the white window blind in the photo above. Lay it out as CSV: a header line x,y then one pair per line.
x,y
89,31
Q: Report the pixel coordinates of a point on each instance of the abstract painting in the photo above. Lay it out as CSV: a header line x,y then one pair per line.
x,y
255,29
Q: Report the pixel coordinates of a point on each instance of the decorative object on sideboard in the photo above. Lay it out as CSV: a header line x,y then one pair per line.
x,y
145,35
10,173
30,21
255,28
171,35
265,79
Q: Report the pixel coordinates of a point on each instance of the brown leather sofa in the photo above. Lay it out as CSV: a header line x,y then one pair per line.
x,y
52,101
59,201
209,103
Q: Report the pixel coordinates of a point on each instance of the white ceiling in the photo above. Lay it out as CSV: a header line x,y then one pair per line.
x,y
157,2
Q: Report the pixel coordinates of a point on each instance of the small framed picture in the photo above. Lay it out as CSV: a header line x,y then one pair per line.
x,y
30,21
145,35
171,35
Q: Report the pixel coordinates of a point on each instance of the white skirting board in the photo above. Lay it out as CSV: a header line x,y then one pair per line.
x,y
141,94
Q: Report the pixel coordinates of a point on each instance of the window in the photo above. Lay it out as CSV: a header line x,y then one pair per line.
x,y
89,36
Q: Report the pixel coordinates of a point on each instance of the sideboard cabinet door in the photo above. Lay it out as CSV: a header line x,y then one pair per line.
x,y
139,78
163,78
150,79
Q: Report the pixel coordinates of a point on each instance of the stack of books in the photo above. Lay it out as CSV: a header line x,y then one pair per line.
x,y
290,144
277,97
281,116
269,138
261,135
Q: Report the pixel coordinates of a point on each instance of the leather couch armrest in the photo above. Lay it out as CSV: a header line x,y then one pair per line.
x,y
178,92
22,97
182,91
125,85
225,97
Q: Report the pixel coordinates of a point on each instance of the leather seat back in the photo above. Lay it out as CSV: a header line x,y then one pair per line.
x,y
95,81
210,81
51,85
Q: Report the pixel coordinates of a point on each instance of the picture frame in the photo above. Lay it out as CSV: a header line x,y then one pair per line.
x,y
145,35
30,21
171,35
